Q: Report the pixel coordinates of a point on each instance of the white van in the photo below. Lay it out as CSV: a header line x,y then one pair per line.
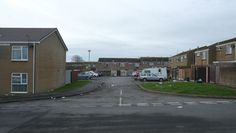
x,y
157,73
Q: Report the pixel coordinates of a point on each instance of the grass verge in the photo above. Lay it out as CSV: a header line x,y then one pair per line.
x,y
73,86
191,88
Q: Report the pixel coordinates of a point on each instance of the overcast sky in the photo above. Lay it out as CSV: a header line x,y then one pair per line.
x,y
126,28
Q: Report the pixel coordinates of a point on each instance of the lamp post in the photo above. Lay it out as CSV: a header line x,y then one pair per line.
x,y
89,55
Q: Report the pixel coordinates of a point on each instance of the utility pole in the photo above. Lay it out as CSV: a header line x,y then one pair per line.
x,y
89,55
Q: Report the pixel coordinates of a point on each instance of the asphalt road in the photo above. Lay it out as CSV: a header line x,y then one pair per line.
x,y
120,107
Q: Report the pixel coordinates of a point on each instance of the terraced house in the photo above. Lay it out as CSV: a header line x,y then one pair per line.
x,y
32,60
225,63
202,68
180,65
119,66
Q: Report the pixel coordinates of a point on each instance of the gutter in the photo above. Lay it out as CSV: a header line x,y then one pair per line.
x,y
222,62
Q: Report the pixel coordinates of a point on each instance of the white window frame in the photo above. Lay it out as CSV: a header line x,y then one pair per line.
x,y
136,64
198,54
19,83
185,56
182,59
228,49
21,49
151,64
204,55
218,48
122,64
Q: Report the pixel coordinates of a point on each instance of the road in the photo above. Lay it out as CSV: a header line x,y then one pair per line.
x,y
120,106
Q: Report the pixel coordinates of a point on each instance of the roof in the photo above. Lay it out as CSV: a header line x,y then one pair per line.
x,y
118,60
27,35
227,41
186,52
154,58
202,48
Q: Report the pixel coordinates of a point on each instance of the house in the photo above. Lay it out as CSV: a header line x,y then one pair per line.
x,y
180,65
32,60
147,62
119,66
202,67
225,63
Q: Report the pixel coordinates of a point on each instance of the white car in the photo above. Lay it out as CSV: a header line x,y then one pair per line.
x,y
154,74
93,73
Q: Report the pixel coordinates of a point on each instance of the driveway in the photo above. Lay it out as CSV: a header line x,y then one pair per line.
x,y
120,106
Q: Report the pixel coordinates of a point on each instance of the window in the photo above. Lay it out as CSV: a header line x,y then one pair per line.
x,y
228,49
147,71
204,55
19,53
19,82
218,48
122,64
136,64
181,58
151,64
198,54
178,59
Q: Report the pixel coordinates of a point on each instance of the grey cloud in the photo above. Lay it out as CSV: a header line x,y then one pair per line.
x,y
127,28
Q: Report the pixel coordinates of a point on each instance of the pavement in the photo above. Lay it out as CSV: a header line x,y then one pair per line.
x,y
120,106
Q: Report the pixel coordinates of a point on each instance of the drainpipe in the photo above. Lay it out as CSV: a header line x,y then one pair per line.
x,y
235,52
33,83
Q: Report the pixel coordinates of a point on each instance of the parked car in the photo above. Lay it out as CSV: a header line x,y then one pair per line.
x,y
93,74
85,76
136,75
100,74
159,74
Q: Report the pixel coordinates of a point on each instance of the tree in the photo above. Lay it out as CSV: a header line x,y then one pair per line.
x,y
77,58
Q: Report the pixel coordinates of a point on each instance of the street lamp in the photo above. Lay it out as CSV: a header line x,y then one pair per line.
x,y
89,55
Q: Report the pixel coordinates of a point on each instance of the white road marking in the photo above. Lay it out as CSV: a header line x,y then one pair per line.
x,y
89,106
207,102
108,105
180,107
120,100
157,104
190,103
174,103
223,102
142,104
125,105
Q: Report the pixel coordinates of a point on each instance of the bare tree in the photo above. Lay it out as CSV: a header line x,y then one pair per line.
x,y
77,58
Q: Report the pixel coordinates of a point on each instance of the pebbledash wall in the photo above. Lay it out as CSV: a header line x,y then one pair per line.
x,y
50,62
